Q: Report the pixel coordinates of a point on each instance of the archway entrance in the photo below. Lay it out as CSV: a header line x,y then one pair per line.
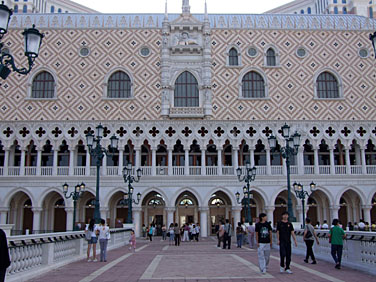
x,y
21,214
54,216
118,210
280,205
318,207
153,206
219,209
85,205
350,207
257,205
373,210
186,209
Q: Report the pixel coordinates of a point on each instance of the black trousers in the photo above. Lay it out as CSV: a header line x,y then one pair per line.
x,y
177,239
309,253
337,253
150,237
227,241
2,274
285,254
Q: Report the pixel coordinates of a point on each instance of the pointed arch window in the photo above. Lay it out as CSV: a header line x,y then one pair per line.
x,y
186,92
253,85
327,86
233,57
43,86
271,58
24,9
119,86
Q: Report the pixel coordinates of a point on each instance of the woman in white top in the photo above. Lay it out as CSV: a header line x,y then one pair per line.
x,y
92,230
104,234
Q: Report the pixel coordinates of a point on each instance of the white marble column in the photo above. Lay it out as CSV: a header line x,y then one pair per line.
x,y
39,160
36,218
348,165
363,156
252,156
270,213
284,166
170,215
316,161
6,161
235,162
367,213
55,159
186,162
170,170
220,162
121,161
153,161
333,213
268,164
204,221
138,158
88,162
22,162
69,222
236,213
104,212
136,212
104,166
71,161
332,166
203,162
301,161
3,215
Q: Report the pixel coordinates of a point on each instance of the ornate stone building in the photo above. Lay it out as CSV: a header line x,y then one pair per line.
x,y
191,98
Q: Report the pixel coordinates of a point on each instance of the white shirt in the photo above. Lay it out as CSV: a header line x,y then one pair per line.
x,y
325,226
103,231
361,225
92,233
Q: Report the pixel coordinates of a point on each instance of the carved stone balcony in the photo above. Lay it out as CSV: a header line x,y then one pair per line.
x,y
187,112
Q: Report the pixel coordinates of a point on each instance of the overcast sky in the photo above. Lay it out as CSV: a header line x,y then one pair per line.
x,y
174,6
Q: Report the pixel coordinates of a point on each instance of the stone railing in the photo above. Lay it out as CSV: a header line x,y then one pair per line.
x,y
359,249
34,254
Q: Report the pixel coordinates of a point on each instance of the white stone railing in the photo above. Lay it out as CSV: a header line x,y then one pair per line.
x,y
178,170
228,170
32,254
309,169
371,169
359,249
324,169
195,170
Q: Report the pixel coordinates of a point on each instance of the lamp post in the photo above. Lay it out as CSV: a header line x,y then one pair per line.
x,y
302,194
33,41
290,149
98,152
372,37
75,195
129,178
249,176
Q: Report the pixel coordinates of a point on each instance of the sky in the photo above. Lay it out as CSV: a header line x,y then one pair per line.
x,y
174,6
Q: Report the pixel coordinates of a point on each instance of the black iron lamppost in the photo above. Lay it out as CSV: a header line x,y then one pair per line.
x,y
129,179
75,195
97,151
372,37
33,41
302,194
250,175
289,150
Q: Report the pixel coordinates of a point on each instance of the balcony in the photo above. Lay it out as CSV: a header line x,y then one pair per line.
x,y
187,112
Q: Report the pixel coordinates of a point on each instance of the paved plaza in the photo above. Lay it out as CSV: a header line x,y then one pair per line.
x,y
203,261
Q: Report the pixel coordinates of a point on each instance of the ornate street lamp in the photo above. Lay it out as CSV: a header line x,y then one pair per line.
x,y
250,175
289,150
129,179
372,37
75,195
98,152
33,41
302,194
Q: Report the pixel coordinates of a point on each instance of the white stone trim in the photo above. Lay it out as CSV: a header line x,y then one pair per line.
x,y
277,55
227,54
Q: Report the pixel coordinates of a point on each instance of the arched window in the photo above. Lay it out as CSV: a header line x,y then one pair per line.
x,y
371,12
334,1
59,10
309,11
186,91
343,1
43,86
270,58
336,10
327,86
344,10
119,85
24,9
302,11
15,9
233,59
52,9
253,85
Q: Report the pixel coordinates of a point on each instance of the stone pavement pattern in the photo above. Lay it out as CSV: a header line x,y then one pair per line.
x,y
203,261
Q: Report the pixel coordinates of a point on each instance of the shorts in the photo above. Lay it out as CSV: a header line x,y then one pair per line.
x,y
93,240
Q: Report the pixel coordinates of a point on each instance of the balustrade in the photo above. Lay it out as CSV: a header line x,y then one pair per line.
x,y
14,171
112,170
46,171
211,170
228,170
194,170
324,169
79,171
146,170
356,169
178,170
340,169
309,169
161,170
371,169
277,170
63,170
31,170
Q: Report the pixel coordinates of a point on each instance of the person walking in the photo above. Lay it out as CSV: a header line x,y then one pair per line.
x,y
251,235
336,236
143,231
194,233
239,235
186,233
4,255
198,230
177,235
91,231
264,241
104,235
171,235
284,232
221,233
132,242
309,238
227,235
151,232
164,232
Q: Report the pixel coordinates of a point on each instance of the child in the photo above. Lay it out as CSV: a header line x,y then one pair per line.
x,y
132,242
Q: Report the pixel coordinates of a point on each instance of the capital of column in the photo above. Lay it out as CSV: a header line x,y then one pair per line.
x,y
104,209
137,209
69,209
4,209
365,207
203,209
334,207
236,209
269,208
36,209
170,209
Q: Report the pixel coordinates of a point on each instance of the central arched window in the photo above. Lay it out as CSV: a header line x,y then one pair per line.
x,y
253,85
233,59
186,91
327,86
271,58
43,86
119,85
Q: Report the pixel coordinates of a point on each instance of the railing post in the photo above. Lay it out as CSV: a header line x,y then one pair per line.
x,y
48,253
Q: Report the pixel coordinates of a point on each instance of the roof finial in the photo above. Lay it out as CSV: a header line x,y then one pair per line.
x,y
206,11
186,8
166,14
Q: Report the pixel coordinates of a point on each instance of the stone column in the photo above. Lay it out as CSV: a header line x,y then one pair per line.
x,y
88,163
54,165
3,215
235,162
69,224
219,152
104,212
170,215
203,162
270,213
71,161
301,161
170,170
138,156
22,162
268,164
367,213
121,161
36,218
332,166
153,161
284,166
316,161
299,210
136,212
252,156
236,212
204,221
186,162
333,213
348,165
363,156
6,161
104,165
39,160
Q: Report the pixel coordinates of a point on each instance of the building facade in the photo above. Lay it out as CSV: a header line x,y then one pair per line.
x,y
191,98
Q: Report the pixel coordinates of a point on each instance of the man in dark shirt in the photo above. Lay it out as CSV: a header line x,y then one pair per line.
x,y
284,232
4,255
264,242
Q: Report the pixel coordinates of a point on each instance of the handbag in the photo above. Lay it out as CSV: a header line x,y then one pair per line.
x,y
108,235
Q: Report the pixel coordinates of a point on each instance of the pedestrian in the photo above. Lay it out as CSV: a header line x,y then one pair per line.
x,y
4,255
239,235
132,242
325,225
336,236
245,233
264,241
350,227
284,232
164,232
309,238
177,235
104,236
227,235
91,232
251,235
171,234
151,232
186,233
221,233
193,233
143,230
362,225
198,230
